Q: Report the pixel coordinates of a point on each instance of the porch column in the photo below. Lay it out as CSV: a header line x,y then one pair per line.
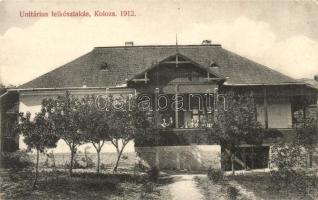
x,y
265,108
253,157
156,114
157,163
176,108
215,109
244,157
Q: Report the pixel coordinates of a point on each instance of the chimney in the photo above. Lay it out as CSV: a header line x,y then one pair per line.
x,y
206,42
316,77
129,44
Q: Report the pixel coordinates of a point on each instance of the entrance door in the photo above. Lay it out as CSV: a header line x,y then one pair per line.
x,y
247,158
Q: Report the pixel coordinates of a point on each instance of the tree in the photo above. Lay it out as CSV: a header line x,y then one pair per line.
x,y
94,125
38,134
307,136
235,123
126,120
286,156
65,115
2,89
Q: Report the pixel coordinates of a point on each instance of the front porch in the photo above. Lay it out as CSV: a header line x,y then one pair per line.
x,y
181,96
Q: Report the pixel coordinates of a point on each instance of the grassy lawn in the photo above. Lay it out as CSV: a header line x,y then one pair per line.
x,y
58,185
132,183
258,186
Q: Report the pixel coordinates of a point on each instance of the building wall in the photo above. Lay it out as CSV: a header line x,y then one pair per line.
x,y
279,113
192,157
31,102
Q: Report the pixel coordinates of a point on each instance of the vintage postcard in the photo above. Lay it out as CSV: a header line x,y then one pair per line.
x,y
168,100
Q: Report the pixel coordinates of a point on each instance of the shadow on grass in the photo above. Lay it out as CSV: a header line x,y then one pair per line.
x,y
264,187
167,179
58,185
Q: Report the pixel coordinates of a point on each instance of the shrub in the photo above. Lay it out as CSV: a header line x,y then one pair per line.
x,y
103,166
88,161
141,166
124,157
290,180
149,187
46,163
232,193
153,174
15,160
50,158
76,164
277,180
287,156
215,175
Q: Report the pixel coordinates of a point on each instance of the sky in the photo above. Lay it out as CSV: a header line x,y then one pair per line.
x,y
282,35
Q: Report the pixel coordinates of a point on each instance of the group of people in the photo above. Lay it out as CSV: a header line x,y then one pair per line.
x,y
167,124
170,123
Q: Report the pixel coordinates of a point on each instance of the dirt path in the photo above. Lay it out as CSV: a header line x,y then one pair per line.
x,y
184,188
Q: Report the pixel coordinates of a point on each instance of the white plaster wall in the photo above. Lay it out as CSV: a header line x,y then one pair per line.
x,y
279,113
32,104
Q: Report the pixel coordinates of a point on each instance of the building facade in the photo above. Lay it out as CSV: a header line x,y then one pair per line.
x,y
191,76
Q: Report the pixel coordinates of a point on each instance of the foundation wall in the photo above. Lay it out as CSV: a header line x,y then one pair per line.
x,y
192,157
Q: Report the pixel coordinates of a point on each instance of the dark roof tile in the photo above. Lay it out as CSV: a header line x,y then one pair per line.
x,y
125,62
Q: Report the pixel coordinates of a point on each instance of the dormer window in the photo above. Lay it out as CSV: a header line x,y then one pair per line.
x,y
104,67
213,64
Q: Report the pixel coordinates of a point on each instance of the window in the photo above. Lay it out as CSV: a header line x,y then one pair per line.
x,y
213,64
104,67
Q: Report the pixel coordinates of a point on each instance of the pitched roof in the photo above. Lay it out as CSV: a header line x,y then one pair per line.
x,y
125,62
311,82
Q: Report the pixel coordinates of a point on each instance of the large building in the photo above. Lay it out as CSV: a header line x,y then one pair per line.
x,y
187,71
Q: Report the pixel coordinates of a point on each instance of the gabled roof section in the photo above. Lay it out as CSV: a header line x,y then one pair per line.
x,y
172,60
311,82
124,63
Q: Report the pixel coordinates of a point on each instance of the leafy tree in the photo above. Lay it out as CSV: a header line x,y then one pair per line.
x,y
2,89
38,134
235,123
126,120
286,156
94,124
65,114
307,136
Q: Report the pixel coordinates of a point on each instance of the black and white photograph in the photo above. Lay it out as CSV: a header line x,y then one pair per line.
x,y
159,100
